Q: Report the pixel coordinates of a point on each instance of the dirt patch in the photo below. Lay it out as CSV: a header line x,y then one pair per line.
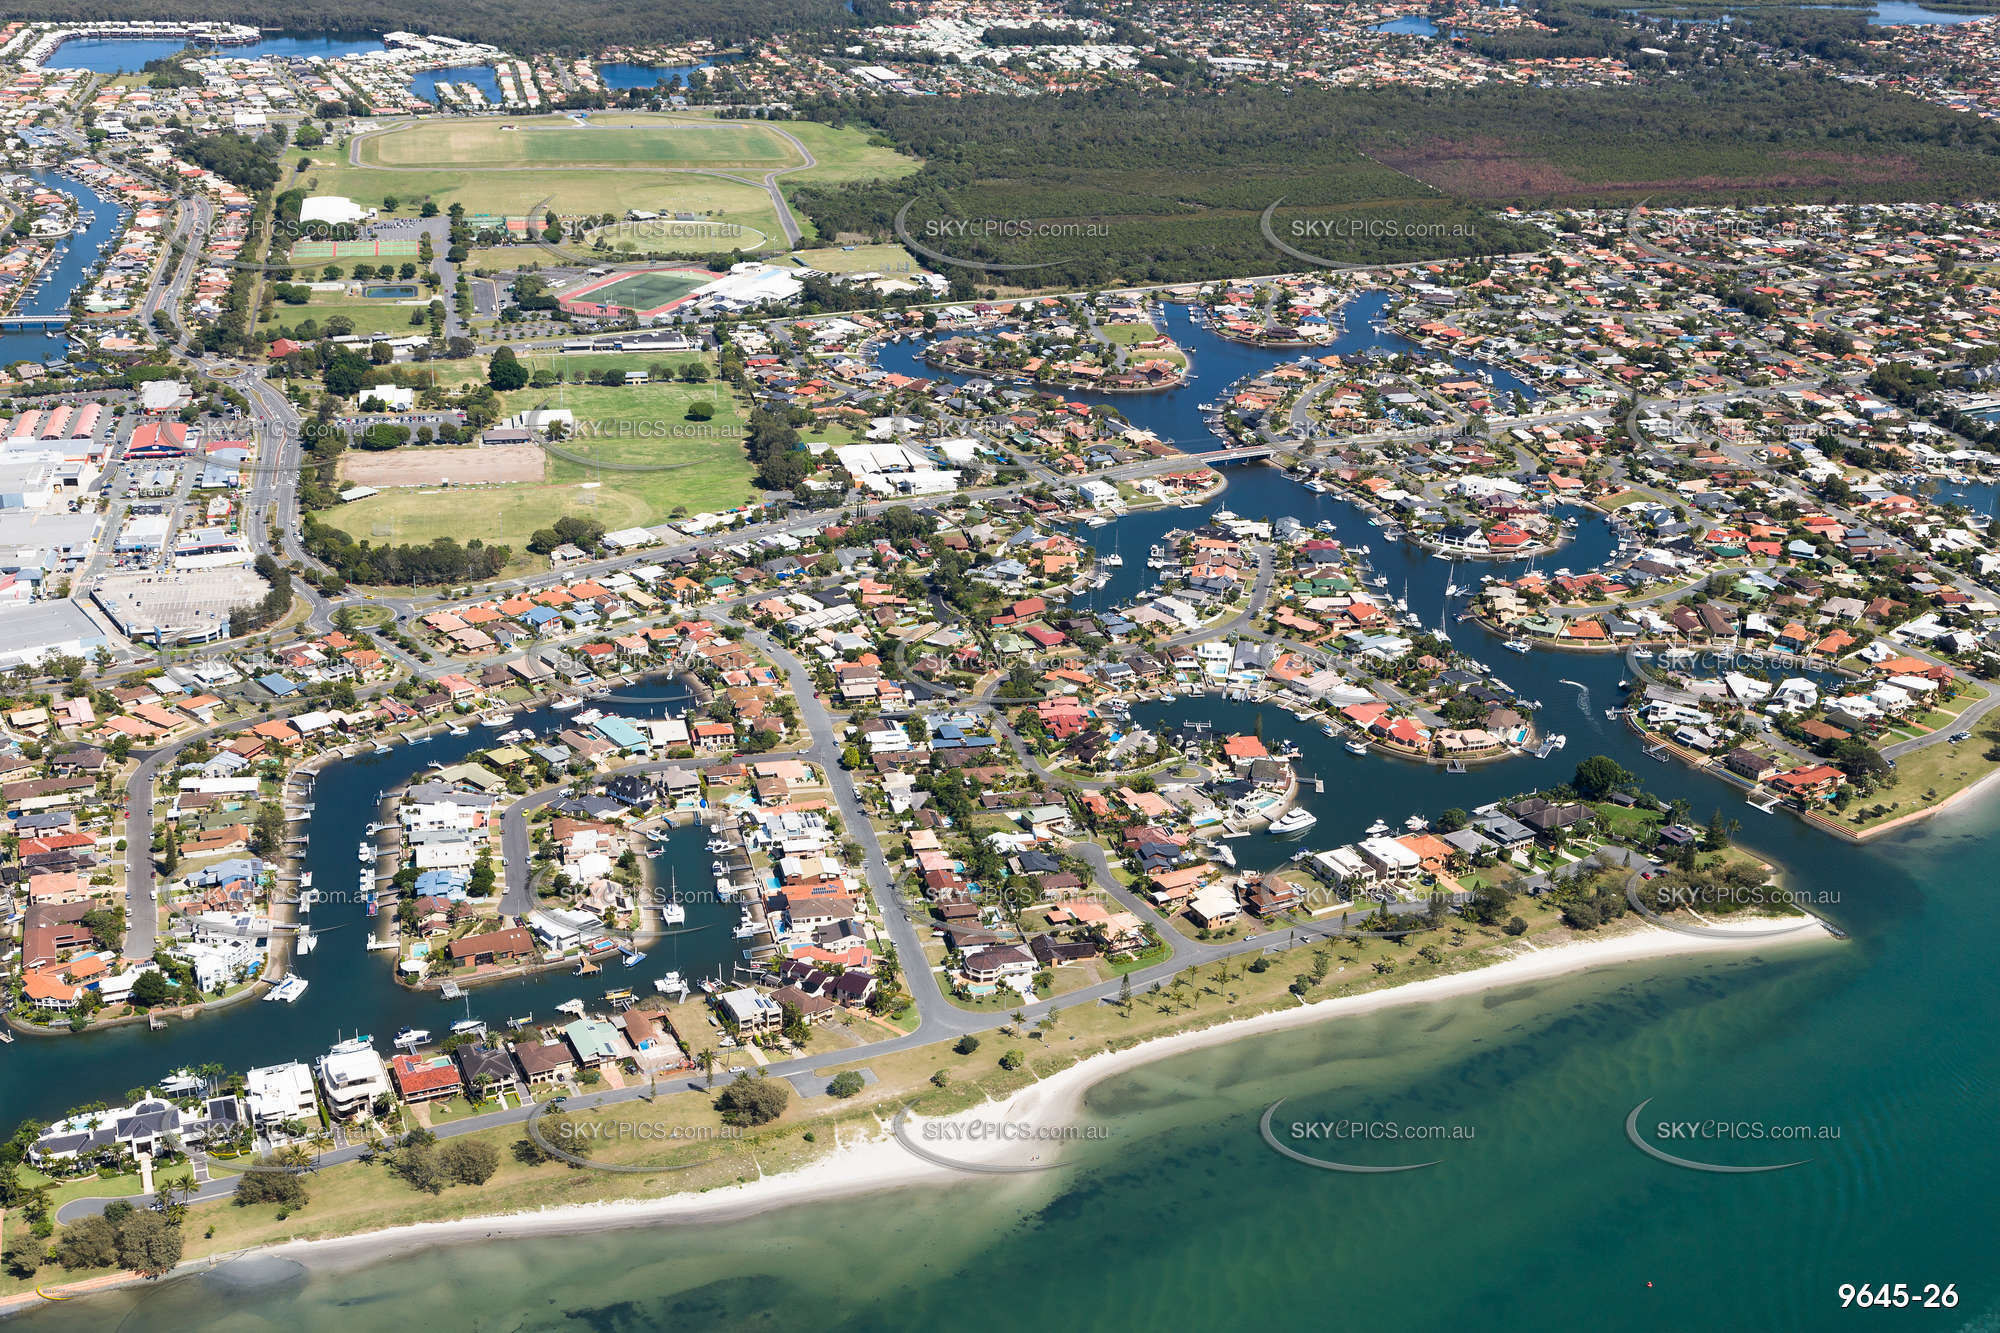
x,y
1484,168
430,467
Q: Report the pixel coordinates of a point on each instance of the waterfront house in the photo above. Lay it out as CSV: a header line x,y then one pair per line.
x,y
424,1078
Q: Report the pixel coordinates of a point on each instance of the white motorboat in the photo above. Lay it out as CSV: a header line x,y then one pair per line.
x,y
469,1027
565,702
461,731
1416,823
1517,645
672,984
411,1038
571,1007
1377,829
351,1046
1357,747
497,720
1295,820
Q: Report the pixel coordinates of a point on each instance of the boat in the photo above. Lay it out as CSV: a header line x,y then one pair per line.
x,y
496,720
1517,645
1295,820
590,717
1416,823
1354,747
411,1038
352,1045
1316,486
671,984
288,990
565,702
572,1007
307,898
468,1027
673,914
307,942
635,957
520,1024
1377,829
367,852
461,731
1111,561
619,996
1224,854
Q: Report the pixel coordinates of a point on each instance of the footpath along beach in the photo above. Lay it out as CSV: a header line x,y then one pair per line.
x,y
879,1162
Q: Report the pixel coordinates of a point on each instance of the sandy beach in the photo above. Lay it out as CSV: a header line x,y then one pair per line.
x,y
879,1162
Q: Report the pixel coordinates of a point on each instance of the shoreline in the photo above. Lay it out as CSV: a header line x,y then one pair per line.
x,y
1963,794
877,1163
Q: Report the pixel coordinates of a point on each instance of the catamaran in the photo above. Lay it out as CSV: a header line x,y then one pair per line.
x,y
288,990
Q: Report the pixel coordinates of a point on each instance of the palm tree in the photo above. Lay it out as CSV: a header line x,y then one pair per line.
x,y
706,1059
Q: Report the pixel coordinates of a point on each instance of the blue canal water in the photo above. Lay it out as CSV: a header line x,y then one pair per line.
x,y
1413,25
481,77
621,75
1216,363
79,257
351,989
125,55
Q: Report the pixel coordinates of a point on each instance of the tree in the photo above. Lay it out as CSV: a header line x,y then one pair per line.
x,y
416,1163
505,371
1012,1059
846,1083
89,1242
287,1189
1598,776
151,989
469,1161
706,1059
1716,836
148,1243
967,1044
753,1100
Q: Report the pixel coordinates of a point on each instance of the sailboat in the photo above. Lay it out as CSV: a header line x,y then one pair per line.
x,y
673,914
1112,559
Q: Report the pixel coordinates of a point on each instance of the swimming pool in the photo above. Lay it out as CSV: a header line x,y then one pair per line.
x,y
399,292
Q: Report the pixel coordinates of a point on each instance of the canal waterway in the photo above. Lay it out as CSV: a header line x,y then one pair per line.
x,y
1542,1216
78,258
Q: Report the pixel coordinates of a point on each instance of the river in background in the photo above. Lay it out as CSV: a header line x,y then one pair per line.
x,y
128,55
1545,1217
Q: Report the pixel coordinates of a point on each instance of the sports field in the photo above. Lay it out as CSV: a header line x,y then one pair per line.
x,y
368,316
643,462
559,141
645,292
889,260
320,252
